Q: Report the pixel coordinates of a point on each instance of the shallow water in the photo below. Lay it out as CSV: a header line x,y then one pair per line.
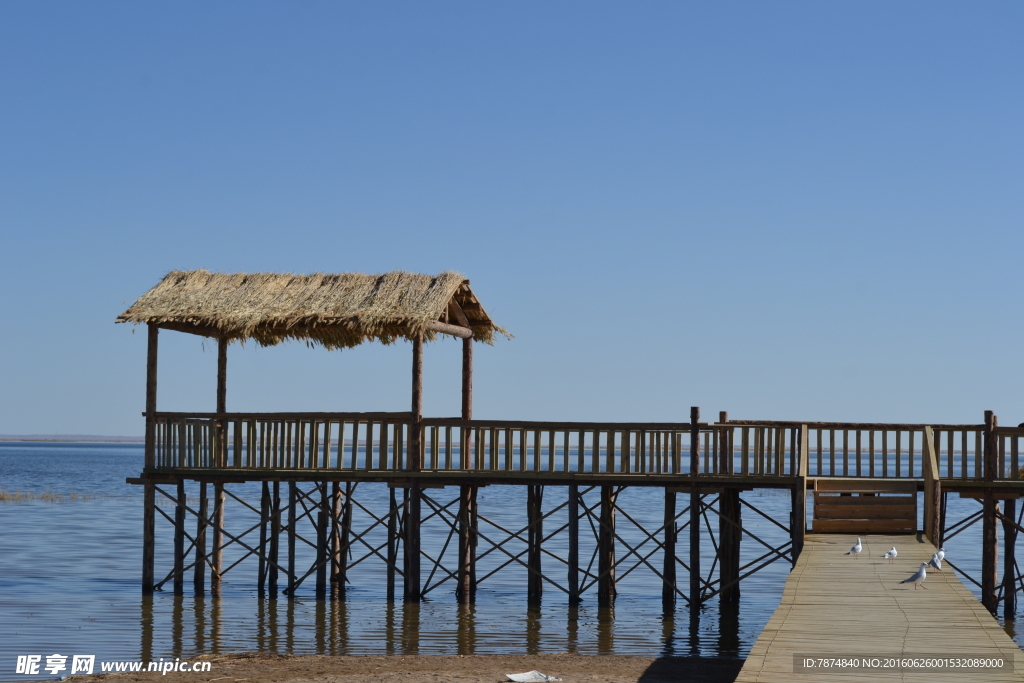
x,y
69,578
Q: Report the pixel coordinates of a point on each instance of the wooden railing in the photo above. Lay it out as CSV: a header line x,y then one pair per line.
x,y
380,441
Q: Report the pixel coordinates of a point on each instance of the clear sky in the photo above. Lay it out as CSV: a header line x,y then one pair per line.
x,y
785,210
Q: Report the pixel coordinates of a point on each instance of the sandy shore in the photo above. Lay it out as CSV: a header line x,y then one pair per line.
x,y
457,669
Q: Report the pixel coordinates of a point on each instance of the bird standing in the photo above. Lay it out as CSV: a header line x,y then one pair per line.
x,y
855,550
935,562
941,554
919,577
891,555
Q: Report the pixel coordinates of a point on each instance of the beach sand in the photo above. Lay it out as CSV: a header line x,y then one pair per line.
x,y
255,668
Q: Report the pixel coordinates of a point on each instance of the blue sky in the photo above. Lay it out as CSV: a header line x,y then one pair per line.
x,y
784,210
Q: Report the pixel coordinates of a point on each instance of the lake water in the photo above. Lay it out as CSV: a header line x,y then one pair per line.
x,y
70,579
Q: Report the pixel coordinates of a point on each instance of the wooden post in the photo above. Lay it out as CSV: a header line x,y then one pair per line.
x,y
415,462
1009,559
990,544
393,516
798,523
730,535
574,545
695,588
217,556
148,536
337,564
535,535
932,489
606,549
411,544
221,455
275,536
292,500
265,528
668,587
149,492
466,588
725,453
199,573
322,558
346,537
179,540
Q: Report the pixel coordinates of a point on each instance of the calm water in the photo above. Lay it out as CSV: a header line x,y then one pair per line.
x,y
69,579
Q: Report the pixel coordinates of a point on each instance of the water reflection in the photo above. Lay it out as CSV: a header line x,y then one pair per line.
x,y
331,627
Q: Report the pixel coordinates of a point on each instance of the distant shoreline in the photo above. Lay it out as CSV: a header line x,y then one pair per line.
x,y
74,438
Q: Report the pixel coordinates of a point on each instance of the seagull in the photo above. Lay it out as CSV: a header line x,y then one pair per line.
x,y
891,555
855,550
917,578
936,562
941,554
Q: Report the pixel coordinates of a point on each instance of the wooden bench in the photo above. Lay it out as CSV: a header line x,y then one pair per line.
x,y
865,507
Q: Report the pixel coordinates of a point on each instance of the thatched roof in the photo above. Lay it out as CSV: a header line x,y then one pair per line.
x,y
336,310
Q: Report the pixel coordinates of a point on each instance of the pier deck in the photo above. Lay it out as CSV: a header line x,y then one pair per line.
x,y
835,605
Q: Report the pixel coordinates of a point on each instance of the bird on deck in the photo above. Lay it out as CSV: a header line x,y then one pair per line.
x,y
918,577
890,555
935,562
941,554
855,550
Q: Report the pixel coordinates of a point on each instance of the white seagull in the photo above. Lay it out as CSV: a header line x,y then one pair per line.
x,y
941,554
917,578
935,562
891,555
855,550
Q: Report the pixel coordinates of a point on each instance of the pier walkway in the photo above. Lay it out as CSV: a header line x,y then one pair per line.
x,y
836,606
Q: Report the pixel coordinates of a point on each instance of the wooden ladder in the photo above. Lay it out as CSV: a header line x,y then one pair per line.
x,y
857,506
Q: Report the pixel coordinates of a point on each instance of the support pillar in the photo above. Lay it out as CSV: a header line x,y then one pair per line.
x,y
465,589
411,544
990,543
217,555
265,529
292,500
149,492
323,514
1009,559
199,573
606,549
179,540
275,536
535,536
668,588
394,513
729,537
574,545
148,536
695,509
798,521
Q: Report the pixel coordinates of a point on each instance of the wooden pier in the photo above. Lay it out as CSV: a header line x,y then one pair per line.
x,y
834,606
312,468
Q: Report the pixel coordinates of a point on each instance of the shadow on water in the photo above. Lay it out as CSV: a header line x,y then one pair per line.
x,y
196,626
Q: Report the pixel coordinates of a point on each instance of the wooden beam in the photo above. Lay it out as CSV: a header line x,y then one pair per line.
x,y
151,374
1009,560
668,571
989,542
695,576
453,330
606,548
456,312
574,545
416,429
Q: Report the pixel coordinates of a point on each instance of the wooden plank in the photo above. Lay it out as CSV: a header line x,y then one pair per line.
x,y
865,485
880,617
835,499
903,512
863,526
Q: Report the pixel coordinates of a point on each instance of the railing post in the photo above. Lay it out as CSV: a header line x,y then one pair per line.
x,y
990,544
932,489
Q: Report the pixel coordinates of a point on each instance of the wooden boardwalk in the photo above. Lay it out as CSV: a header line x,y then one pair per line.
x,y
840,606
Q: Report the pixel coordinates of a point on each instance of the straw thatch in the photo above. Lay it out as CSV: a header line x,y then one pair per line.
x,y
336,310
